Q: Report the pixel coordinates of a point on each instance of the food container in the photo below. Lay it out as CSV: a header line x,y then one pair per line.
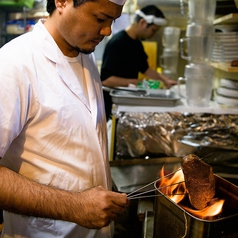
x,y
153,97
171,220
19,27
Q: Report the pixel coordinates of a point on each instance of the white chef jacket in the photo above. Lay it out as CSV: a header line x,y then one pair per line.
x,y
50,132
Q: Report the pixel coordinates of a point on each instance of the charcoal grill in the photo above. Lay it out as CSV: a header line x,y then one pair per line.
x,y
172,221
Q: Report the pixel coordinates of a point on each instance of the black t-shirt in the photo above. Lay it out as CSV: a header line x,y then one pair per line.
x,y
123,57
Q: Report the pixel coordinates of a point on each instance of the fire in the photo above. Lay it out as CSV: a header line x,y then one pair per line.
x,y
174,188
213,209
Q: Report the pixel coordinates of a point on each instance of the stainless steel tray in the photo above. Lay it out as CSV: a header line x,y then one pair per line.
x,y
129,175
158,97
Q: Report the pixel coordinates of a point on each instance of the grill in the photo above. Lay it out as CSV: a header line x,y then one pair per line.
x,y
172,221
162,218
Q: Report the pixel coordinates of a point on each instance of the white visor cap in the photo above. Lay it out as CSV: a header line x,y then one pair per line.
x,y
151,18
118,2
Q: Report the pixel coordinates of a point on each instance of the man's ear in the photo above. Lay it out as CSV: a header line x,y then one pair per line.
x,y
60,4
143,23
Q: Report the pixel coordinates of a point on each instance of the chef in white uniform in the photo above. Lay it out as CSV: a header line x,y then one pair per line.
x,y
54,171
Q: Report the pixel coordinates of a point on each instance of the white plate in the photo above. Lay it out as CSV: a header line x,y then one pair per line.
x,y
231,93
229,83
219,44
225,49
224,58
224,37
227,34
233,54
225,100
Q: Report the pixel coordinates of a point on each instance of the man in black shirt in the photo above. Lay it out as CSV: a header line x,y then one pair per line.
x,y
124,56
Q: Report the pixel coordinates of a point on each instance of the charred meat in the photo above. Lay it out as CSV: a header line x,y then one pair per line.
x,y
199,180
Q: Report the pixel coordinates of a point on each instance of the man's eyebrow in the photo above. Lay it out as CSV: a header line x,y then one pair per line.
x,y
108,16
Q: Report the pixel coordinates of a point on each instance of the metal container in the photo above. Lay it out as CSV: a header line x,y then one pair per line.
x,y
129,175
154,97
173,221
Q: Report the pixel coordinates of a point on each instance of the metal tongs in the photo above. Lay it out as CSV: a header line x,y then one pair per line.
x,y
132,195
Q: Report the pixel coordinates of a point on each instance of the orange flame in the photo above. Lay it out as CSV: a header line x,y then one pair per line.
x,y
175,192
213,209
174,188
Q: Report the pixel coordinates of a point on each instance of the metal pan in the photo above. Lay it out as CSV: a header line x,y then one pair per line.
x,y
158,97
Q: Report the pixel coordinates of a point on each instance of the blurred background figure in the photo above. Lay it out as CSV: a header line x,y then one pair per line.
x,y
124,56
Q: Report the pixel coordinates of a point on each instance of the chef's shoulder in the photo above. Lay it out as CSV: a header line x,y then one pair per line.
x,y
16,50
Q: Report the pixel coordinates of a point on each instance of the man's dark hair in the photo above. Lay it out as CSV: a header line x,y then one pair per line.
x,y
150,10
50,7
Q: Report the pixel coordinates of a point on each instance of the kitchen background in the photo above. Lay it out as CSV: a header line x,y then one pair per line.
x,y
18,16
145,130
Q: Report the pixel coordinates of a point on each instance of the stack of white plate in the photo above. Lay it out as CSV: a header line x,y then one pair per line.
x,y
227,92
225,48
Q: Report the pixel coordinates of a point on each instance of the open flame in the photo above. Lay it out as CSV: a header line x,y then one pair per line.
x,y
174,187
213,209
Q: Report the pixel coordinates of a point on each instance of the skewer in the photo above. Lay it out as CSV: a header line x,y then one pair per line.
x,y
138,194
153,182
156,195
206,156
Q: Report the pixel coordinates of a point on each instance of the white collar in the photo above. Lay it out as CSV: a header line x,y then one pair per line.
x,y
118,2
151,18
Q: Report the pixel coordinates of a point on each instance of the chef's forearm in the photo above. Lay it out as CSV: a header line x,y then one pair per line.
x,y
152,74
114,81
155,75
93,208
27,197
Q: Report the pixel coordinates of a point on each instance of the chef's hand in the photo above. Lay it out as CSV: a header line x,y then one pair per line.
x,y
167,81
98,207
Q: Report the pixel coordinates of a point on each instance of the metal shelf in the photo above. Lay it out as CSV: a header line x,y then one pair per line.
x,y
231,18
21,12
225,67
